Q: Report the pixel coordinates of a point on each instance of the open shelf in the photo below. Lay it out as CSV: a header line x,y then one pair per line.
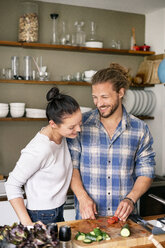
x,y
44,82
75,48
45,119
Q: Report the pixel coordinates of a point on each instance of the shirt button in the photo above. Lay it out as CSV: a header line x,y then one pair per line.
x,y
108,177
108,208
109,161
109,193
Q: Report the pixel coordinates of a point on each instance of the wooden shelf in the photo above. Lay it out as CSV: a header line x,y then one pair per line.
x,y
22,119
45,119
141,85
75,48
44,82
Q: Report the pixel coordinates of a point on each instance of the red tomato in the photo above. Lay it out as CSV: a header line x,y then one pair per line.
x,y
113,219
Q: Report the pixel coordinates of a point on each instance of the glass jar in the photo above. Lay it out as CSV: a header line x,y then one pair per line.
x,y
27,67
28,22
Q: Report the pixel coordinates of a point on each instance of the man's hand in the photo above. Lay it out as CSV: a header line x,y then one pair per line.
x,y
124,209
87,208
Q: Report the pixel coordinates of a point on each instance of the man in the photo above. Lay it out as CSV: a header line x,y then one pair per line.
x,y
112,157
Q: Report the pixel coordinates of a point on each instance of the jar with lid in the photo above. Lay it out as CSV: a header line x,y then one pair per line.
x,y
28,22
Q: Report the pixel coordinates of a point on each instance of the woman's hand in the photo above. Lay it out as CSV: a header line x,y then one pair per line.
x,y
87,208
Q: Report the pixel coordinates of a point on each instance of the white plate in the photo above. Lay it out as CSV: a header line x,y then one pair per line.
x,y
35,113
140,102
136,103
145,102
129,100
149,102
153,103
98,44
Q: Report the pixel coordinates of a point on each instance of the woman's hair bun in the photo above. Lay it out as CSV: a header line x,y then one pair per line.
x,y
52,94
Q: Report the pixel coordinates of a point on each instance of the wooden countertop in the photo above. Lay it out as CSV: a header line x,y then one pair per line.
x,y
137,239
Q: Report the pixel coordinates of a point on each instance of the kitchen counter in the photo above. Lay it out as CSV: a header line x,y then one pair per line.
x,y
137,239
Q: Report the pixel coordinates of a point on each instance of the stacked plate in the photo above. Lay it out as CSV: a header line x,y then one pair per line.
x,y
35,113
85,109
139,102
4,109
88,75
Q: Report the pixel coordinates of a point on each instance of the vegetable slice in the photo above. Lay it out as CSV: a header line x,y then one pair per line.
x,y
125,231
87,241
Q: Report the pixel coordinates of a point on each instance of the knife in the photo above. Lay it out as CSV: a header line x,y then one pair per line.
x,y
149,227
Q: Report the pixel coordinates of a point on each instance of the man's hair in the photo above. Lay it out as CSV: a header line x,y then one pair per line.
x,y
115,74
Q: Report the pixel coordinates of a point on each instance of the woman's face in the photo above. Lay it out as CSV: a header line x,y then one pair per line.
x,y
71,125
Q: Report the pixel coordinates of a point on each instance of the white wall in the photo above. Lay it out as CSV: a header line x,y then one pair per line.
x,y
155,31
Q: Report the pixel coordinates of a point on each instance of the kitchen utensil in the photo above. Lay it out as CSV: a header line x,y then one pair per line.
x,y
157,198
149,227
154,241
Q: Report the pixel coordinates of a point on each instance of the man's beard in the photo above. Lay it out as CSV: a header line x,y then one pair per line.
x,y
112,111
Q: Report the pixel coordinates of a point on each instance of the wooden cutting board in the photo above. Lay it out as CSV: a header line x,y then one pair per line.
x,y
139,236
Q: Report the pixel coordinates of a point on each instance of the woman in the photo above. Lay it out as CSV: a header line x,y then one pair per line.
x,y
44,167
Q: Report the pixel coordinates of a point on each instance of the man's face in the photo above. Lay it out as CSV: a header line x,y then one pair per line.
x,y
106,99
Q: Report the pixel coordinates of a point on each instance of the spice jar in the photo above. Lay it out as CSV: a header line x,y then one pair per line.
x,y
28,22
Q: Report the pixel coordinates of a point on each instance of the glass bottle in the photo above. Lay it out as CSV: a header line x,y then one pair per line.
x,y
27,67
28,22
92,35
63,40
55,39
80,34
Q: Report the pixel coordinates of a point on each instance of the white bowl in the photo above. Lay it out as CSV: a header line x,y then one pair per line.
x,y
4,105
17,112
17,104
85,109
4,112
89,74
97,44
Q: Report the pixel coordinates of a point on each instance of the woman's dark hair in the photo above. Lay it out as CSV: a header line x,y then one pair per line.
x,y
59,105
115,74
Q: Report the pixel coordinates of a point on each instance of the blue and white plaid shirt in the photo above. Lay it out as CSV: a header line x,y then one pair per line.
x,y
109,167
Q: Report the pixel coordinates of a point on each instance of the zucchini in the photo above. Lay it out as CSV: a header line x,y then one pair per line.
x,y
87,241
125,231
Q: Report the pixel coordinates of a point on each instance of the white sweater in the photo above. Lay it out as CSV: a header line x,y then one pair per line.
x,y
45,168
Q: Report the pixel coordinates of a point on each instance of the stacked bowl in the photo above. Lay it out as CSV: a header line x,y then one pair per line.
x,y
17,109
4,109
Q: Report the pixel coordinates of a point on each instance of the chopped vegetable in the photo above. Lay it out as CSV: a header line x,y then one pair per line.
x,y
125,231
113,219
95,235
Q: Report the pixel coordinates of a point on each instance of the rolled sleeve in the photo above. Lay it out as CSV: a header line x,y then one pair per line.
x,y
75,151
145,157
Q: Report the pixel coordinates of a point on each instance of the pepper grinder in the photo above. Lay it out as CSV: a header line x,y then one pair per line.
x,y
55,39
65,237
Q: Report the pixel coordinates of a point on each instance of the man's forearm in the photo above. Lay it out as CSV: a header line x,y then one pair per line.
x,y
142,184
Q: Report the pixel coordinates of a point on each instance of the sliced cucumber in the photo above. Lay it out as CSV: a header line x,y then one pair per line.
x,y
92,232
99,238
90,236
81,236
87,241
125,231
105,236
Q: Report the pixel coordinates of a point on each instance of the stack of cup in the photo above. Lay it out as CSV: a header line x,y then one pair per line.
x,y
17,109
4,109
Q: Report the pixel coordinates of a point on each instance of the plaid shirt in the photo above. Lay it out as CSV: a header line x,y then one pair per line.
x,y
109,167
